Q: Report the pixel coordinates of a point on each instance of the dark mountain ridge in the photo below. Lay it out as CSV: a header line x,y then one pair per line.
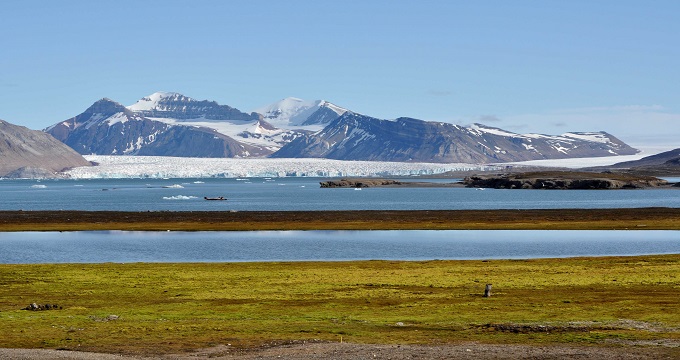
x,y
178,106
358,137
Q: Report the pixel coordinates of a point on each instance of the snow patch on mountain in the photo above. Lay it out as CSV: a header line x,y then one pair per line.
x,y
575,163
178,110
153,101
598,137
254,133
117,118
479,129
562,143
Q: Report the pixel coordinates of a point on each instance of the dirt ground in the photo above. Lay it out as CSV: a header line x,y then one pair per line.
x,y
347,351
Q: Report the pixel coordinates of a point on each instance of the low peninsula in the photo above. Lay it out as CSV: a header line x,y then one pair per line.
x,y
543,180
659,218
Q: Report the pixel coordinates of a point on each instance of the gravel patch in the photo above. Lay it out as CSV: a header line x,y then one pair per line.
x,y
347,351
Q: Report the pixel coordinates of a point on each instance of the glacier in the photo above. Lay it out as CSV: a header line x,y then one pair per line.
x,y
120,167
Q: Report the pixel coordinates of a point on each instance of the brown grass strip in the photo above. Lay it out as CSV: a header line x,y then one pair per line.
x,y
546,219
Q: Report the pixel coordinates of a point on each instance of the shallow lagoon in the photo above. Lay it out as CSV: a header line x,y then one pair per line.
x,y
121,247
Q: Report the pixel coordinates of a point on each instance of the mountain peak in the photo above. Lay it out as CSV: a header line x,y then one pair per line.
x,y
154,100
172,105
105,106
293,111
165,94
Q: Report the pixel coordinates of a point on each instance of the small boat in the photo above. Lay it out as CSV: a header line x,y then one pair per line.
x,y
214,198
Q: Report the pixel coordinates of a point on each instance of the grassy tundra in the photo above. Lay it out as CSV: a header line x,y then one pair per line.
x,y
165,308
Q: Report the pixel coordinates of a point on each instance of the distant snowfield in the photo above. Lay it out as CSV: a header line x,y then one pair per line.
x,y
116,167
579,162
595,161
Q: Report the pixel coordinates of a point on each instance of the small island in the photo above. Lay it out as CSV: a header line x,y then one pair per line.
x,y
564,180
368,183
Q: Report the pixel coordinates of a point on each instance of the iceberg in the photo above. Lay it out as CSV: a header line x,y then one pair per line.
x,y
179,197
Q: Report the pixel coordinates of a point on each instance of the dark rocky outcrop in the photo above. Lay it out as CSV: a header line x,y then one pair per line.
x,y
40,307
30,172
26,153
358,183
563,181
323,115
366,183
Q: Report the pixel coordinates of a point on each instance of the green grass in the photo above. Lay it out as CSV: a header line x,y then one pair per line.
x,y
174,307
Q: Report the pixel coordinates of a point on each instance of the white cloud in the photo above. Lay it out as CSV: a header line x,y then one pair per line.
x,y
484,119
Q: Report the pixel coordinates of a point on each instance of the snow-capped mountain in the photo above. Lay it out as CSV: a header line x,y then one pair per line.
x,y
294,112
109,128
171,105
249,129
171,124
357,137
29,153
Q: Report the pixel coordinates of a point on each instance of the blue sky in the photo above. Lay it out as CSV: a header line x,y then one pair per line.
x,y
525,66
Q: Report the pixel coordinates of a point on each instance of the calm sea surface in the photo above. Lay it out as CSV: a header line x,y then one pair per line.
x,y
120,246
299,194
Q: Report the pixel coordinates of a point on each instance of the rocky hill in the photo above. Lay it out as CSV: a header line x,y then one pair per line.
x,y
671,158
109,128
26,153
663,164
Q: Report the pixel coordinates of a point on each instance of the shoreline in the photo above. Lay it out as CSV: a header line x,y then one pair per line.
x,y
656,218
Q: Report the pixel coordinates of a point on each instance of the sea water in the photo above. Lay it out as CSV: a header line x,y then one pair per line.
x,y
274,194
